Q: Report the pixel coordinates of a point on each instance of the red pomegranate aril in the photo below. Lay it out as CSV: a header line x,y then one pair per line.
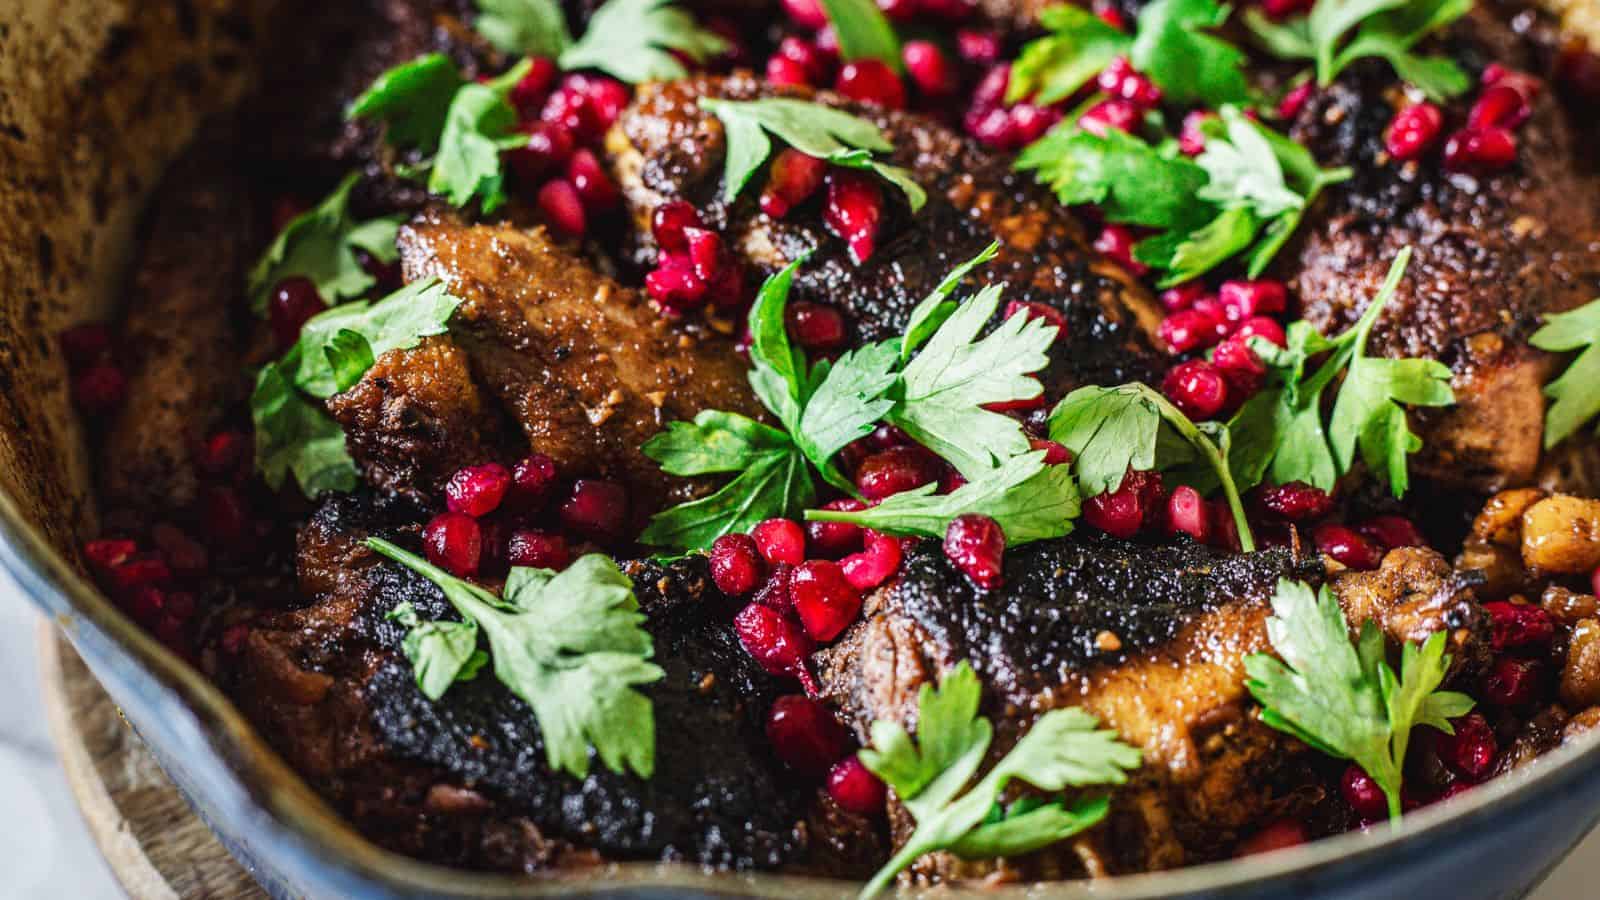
x,y
852,210
1523,83
1366,799
84,345
780,541
1499,106
145,604
873,566
1296,100
776,641
1037,401
477,490
294,302
533,88
806,13
1518,626
596,509
705,252
725,290
531,480
1278,10
1190,329
793,178
814,326
676,287
667,224
991,89
569,110
606,98
1034,309
774,592
1393,531
1347,547
1120,80
1295,501
1413,131
1029,122
1280,834
976,545
1261,327
1470,751
871,81
899,10
832,540
108,553
1107,12
736,564
853,786
1225,529
897,469
563,208
781,70
1054,454
1192,137
1183,296
224,515
535,549
1122,115
885,436
223,453
1480,150
1243,299
549,147
978,47
805,735
1119,513
929,68
827,41
593,185
454,542
994,127
801,51
140,571
1197,388
1239,365
1116,242
823,598
1513,683
1187,513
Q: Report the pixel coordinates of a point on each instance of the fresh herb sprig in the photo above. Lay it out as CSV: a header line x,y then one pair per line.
x,y
1280,434
1132,427
1343,700
320,245
1387,29
931,772
571,645
812,128
1576,401
864,31
632,40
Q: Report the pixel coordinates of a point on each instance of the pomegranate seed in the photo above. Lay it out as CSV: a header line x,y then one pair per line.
x,y
805,735
84,345
1034,309
1393,531
454,542
108,553
1366,799
806,13
871,81
828,43
776,641
806,54
897,469
1225,532
667,224
823,598
976,545
1295,501
794,177
1037,401
831,540
991,89
477,490
1191,329
1211,307
873,566
1054,454
1513,682
1123,82
593,185
1280,834
1242,300
726,289
1264,328
224,515
1192,139
1120,513
929,68
531,480
1413,131
705,252
140,571
1470,751
815,327
532,89
853,786
1480,150
782,70
596,509
775,592
536,549
1296,100
145,604
1116,242
293,303
981,48
1197,388
1499,106
563,208
1187,513
606,98
993,127
548,148
1518,626
1030,122
736,564
1106,12
1527,85
852,210
885,436
899,10
495,539
1239,366
223,453
1183,296
568,109
780,541
1278,10
676,287
1347,547
1122,115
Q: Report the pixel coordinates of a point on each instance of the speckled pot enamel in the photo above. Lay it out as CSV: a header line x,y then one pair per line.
x,y
96,96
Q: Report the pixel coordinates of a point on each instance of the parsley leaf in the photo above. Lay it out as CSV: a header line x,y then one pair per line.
x,y
413,99
441,653
1132,427
632,39
297,437
480,123
1030,500
1576,400
1054,67
320,244
530,27
1062,749
1387,29
863,31
1190,66
1128,179
1344,703
571,645
813,129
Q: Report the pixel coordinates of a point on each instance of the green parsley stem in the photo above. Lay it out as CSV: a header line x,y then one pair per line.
x,y
1208,448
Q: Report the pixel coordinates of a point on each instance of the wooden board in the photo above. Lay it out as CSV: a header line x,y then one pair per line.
x,y
156,846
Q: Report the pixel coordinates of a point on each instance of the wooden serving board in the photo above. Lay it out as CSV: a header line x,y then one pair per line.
x,y
156,846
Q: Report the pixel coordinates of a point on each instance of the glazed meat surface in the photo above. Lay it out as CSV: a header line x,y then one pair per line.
x,y
666,148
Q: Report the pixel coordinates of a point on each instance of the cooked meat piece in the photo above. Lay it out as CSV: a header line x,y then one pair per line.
x,y
464,780
665,148
585,367
184,368
1149,639
1412,595
1492,256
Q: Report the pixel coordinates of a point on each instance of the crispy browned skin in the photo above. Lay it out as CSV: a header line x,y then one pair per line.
x,y
665,147
586,368
185,365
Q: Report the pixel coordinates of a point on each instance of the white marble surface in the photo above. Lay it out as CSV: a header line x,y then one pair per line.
x,y
45,849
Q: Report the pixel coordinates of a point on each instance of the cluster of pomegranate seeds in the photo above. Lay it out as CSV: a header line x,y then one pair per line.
x,y
976,545
1124,512
1488,143
1295,501
1363,794
1347,546
1519,627
1514,683
1470,752
792,179
1295,101
692,265
565,122
897,469
99,386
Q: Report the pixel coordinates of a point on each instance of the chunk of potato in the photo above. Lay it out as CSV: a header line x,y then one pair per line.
x,y
1561,535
